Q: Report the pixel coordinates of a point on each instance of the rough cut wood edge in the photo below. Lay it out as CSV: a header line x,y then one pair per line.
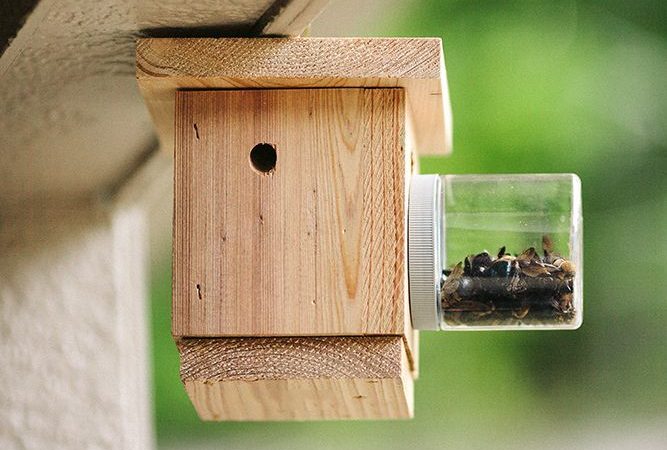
x,y
297,378
416,64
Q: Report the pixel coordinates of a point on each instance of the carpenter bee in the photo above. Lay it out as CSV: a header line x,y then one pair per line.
x,y
503,266
451,283
480,263
521,312
499,268
547,246
450,286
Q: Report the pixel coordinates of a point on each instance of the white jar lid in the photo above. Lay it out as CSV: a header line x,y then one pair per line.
x,y
425,251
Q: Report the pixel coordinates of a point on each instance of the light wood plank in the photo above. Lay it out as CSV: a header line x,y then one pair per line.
x,y
300,378
415,64
317,247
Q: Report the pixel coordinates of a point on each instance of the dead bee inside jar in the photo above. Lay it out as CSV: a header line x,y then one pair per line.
x,y
509,289
533,281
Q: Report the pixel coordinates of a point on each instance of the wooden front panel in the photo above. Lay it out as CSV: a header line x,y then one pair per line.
x,y
315,247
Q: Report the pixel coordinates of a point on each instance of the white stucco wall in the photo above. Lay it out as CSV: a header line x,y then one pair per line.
x,y
73,317
73,339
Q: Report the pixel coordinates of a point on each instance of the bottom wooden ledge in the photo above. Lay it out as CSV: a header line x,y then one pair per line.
x,y
297,378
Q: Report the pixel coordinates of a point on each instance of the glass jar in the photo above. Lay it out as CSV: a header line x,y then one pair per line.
x,y
495,252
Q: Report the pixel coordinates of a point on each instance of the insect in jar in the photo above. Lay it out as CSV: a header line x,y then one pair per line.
x,y
524,288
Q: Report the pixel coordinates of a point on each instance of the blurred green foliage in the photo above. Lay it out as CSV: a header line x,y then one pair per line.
x,y
569,86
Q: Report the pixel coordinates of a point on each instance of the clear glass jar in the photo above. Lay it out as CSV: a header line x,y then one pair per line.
x,y
502,251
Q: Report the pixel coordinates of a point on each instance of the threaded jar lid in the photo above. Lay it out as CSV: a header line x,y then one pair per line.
x,y
425,251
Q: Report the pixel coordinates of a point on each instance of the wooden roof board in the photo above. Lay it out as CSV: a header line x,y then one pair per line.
x,y
165,65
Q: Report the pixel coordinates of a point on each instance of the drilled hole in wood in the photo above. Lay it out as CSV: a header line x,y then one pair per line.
x,y
263,158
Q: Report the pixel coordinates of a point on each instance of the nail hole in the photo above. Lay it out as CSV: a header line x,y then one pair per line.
x,y
263,158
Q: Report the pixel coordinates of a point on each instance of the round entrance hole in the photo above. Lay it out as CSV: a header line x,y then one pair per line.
x,y
263,158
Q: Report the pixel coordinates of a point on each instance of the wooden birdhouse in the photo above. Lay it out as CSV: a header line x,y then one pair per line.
x,y
292,160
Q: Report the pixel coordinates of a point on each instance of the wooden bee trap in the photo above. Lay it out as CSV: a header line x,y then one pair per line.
x,y
292,158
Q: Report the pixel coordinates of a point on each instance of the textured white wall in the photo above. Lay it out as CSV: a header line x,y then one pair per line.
x,y
73,317
73,340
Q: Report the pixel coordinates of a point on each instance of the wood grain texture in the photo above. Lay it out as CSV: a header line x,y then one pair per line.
x,y
299,378
415,64
249,359
317,247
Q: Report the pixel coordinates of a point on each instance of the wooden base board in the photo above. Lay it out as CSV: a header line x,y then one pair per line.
x,y
298,378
